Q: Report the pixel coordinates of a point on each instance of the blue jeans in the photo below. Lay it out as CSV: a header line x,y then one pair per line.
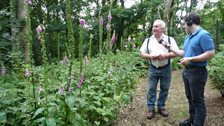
x,y
194,82
155,75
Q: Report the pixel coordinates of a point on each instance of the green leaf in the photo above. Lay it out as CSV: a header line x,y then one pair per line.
x,y
40,120
40,110
51,122
2,117
70,100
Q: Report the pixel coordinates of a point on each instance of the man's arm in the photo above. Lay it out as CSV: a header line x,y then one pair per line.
x,y
145,55
171,54
174,52
200,58
204,56
177,52
149,56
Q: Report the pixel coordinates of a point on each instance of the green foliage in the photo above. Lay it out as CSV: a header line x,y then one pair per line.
x,y
71,39
175,65
15,60
216,70
57,17
4,34
109,80
106,86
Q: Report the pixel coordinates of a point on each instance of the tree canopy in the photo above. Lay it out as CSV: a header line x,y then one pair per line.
x,y
135,22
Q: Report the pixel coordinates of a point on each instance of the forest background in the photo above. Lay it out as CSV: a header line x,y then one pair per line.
x,y
59,57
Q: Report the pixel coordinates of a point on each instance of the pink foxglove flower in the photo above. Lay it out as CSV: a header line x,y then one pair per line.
x,y
112,40
40,28
81,80
3,70
109,17
65,60
29,2
82,22
62,90
27,73
108,27
101,21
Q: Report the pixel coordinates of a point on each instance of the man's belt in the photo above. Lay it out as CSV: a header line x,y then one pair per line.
x,y
161,67
195,67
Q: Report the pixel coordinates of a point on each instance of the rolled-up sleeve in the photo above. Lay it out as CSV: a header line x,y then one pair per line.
x,y
144,46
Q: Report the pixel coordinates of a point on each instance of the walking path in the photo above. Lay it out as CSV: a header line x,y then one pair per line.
x,y
134,114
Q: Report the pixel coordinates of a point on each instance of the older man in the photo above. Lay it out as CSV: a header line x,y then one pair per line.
x,y
160,68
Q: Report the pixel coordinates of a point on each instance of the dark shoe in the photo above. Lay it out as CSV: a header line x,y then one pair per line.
x,y
150,114
163,112
185,123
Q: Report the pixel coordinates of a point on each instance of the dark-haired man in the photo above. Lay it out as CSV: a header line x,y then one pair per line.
x,y
198,48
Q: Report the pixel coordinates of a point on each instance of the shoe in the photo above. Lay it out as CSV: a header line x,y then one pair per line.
x,y
150,114
185,123
163,112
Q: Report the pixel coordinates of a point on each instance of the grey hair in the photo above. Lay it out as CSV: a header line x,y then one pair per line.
x,y
162,23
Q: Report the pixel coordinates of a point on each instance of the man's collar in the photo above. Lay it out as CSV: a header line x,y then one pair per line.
x,y
161,37
197,29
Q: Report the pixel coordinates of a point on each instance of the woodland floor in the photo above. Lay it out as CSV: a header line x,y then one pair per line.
x,y
134,114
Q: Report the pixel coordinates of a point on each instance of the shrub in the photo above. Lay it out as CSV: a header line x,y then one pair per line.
x,y
216,70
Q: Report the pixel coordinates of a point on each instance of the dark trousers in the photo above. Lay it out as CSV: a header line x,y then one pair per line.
x,y
194,82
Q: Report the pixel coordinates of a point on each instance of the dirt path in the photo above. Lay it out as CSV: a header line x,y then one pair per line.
x,y
134,114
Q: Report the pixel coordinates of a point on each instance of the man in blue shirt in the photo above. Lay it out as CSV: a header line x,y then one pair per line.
x,y
198,49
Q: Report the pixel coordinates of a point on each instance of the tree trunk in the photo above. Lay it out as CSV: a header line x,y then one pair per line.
x,y
168,15
121,28
22,17
13,27
167,12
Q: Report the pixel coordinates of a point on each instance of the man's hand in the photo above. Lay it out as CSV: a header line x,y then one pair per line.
x,y
164,56
155,56
150,56
185,61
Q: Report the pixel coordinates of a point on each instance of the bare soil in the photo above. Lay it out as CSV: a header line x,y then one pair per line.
x,y
134,114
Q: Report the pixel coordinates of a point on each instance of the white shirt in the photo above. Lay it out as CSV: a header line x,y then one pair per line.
x,y
154,47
